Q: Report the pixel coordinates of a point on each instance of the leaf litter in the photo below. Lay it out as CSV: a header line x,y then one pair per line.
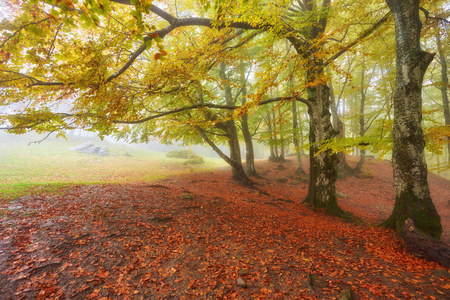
x,y
203,236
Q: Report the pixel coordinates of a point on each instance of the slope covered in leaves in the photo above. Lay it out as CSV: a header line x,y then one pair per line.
x,y
202,236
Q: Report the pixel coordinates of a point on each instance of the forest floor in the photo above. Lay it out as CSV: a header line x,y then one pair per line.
x,y
202,236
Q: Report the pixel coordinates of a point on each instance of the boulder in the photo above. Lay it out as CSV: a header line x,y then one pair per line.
x,y
90,148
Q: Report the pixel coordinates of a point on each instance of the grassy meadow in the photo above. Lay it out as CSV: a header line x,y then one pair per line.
x,y
50,165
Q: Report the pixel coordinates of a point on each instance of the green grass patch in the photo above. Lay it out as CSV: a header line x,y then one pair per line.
x,y
15,190
50,166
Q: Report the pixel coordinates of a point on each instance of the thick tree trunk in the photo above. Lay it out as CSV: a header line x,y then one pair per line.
x,y
323,174
412,194
443,88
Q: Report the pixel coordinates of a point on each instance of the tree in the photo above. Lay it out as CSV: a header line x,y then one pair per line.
x,y
444,86
47,55
249,153
412,194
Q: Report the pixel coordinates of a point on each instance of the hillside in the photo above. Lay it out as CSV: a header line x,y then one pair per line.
x,y
202,236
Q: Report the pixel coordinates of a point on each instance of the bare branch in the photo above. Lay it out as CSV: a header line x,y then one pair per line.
x,y
340,41
20,29
40,141
208,105
427,16
52,46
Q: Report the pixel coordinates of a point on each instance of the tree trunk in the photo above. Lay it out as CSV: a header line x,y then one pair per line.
x,y
443,88
295,141
323,173
282,142
249,152
229,128
237,169
338,125
269,125
412,194
274,136
362,130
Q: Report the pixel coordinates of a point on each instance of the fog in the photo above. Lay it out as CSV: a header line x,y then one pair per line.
x,y
33,139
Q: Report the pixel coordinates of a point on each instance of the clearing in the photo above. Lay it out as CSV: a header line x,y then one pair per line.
x,y
202,236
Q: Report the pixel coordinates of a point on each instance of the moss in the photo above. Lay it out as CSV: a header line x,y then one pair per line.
x,y
421,211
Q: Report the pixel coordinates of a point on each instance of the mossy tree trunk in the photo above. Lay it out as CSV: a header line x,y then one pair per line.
x,y
323,166
412,194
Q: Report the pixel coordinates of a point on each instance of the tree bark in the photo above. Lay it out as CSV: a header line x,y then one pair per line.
x,y
237,169
323,172
249,152
269,125
323,166
362,130
424,246
412,194
338,125
443,88
295,141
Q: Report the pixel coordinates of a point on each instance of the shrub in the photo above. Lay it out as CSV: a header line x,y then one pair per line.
x,y
182,153
195,161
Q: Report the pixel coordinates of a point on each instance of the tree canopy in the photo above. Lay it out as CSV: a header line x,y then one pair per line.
x,y
202,72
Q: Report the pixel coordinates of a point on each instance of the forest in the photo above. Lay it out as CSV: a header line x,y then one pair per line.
x,y
332,90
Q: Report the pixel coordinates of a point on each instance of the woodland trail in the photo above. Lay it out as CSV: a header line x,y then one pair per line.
x,y
202,236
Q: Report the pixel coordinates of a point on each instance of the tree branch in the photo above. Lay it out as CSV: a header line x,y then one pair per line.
x,y
20,28
427,16
359,38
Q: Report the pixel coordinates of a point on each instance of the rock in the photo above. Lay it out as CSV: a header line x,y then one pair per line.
x,y
345,295
341,195
281,180
15,207
82,147
241,282
243,272
103,151
90,148
186,196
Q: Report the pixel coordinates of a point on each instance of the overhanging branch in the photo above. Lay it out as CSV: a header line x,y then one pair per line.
x,y
359,38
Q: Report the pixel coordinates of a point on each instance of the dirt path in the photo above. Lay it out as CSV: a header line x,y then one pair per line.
x,y
201,236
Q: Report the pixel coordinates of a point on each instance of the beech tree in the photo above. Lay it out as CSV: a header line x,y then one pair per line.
x,y
121,65
412,194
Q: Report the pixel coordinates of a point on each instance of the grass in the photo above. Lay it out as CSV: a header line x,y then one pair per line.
x,y
51,166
